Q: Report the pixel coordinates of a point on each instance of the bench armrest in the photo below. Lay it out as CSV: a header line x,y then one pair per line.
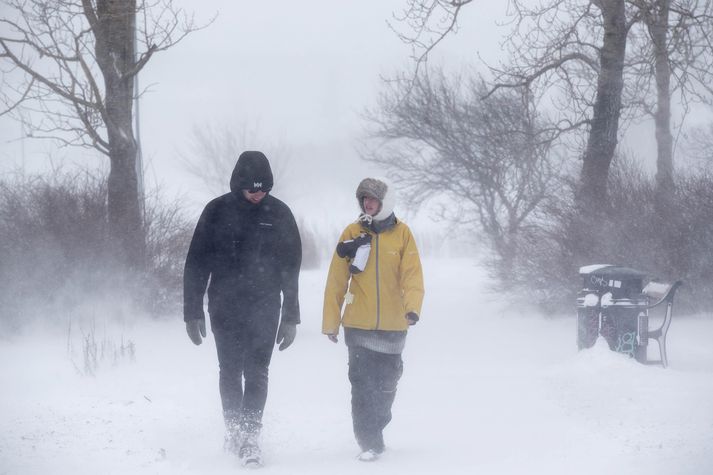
x,y
661,292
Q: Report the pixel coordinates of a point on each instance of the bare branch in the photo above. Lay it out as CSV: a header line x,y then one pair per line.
x,y
420,35
40,78
20,100
527,80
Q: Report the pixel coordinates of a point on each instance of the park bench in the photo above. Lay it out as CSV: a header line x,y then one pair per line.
x,y
614,304
661,294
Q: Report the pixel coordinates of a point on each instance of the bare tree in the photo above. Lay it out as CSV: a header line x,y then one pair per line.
x,y
604,124
652,54
214,148
573,50
490,159
69,69
577,47
672,53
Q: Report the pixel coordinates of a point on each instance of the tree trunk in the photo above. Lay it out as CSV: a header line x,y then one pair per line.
x,y
607,108
658,29
669,235
114,32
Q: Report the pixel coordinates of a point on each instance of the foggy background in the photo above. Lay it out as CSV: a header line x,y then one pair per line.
x,y
297,75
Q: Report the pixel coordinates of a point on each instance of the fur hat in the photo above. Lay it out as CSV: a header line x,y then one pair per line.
x,y
380,189
252,172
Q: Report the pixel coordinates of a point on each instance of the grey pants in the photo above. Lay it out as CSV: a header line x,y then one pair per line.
x,y
244,352
374,377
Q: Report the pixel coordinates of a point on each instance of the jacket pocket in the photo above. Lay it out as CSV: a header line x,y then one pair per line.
x,y
266,241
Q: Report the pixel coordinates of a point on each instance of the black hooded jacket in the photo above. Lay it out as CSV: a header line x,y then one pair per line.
x,y
250,252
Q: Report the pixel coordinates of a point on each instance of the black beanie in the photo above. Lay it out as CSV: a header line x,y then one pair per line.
x,y
252,172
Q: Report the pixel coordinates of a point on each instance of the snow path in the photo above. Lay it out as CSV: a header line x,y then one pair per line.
x,y
484,391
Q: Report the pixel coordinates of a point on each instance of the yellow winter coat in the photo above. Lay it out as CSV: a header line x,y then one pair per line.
x,y
378,298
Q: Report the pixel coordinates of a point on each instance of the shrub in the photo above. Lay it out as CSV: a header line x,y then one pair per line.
x,y
668,242
56,255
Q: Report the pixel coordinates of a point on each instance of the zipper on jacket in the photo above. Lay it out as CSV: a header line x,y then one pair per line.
x,y
378,296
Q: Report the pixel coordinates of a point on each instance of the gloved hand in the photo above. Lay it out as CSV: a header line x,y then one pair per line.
x,y
196,329
286,334
348,248
412,318
333,337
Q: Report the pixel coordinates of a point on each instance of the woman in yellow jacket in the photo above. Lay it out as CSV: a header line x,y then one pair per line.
x,y
376,275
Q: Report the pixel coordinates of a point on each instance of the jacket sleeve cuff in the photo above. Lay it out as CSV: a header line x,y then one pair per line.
x,y
290,313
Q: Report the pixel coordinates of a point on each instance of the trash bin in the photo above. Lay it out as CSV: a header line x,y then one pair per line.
x,y
611,304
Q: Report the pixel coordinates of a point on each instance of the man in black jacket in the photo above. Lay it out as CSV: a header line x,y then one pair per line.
x,y
248,246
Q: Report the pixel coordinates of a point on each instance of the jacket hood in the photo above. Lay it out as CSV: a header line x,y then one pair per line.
x,y
380,189
252,172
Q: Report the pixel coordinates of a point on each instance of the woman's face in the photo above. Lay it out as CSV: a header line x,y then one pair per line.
x,y
371,205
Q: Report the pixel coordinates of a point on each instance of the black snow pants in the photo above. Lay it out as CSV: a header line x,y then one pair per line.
x,y
245,340
373,377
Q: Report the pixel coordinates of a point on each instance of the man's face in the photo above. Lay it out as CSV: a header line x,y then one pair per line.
x,y
254,196
371,205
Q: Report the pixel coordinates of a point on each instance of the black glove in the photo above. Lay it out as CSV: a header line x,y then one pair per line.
x,y
196,329
286,334
349,248
412,318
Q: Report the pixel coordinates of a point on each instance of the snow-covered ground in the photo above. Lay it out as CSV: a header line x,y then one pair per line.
x,y
485,390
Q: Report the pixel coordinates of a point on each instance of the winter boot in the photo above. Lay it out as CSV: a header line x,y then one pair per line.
x,y
370,455
233,437
250,454
232,442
